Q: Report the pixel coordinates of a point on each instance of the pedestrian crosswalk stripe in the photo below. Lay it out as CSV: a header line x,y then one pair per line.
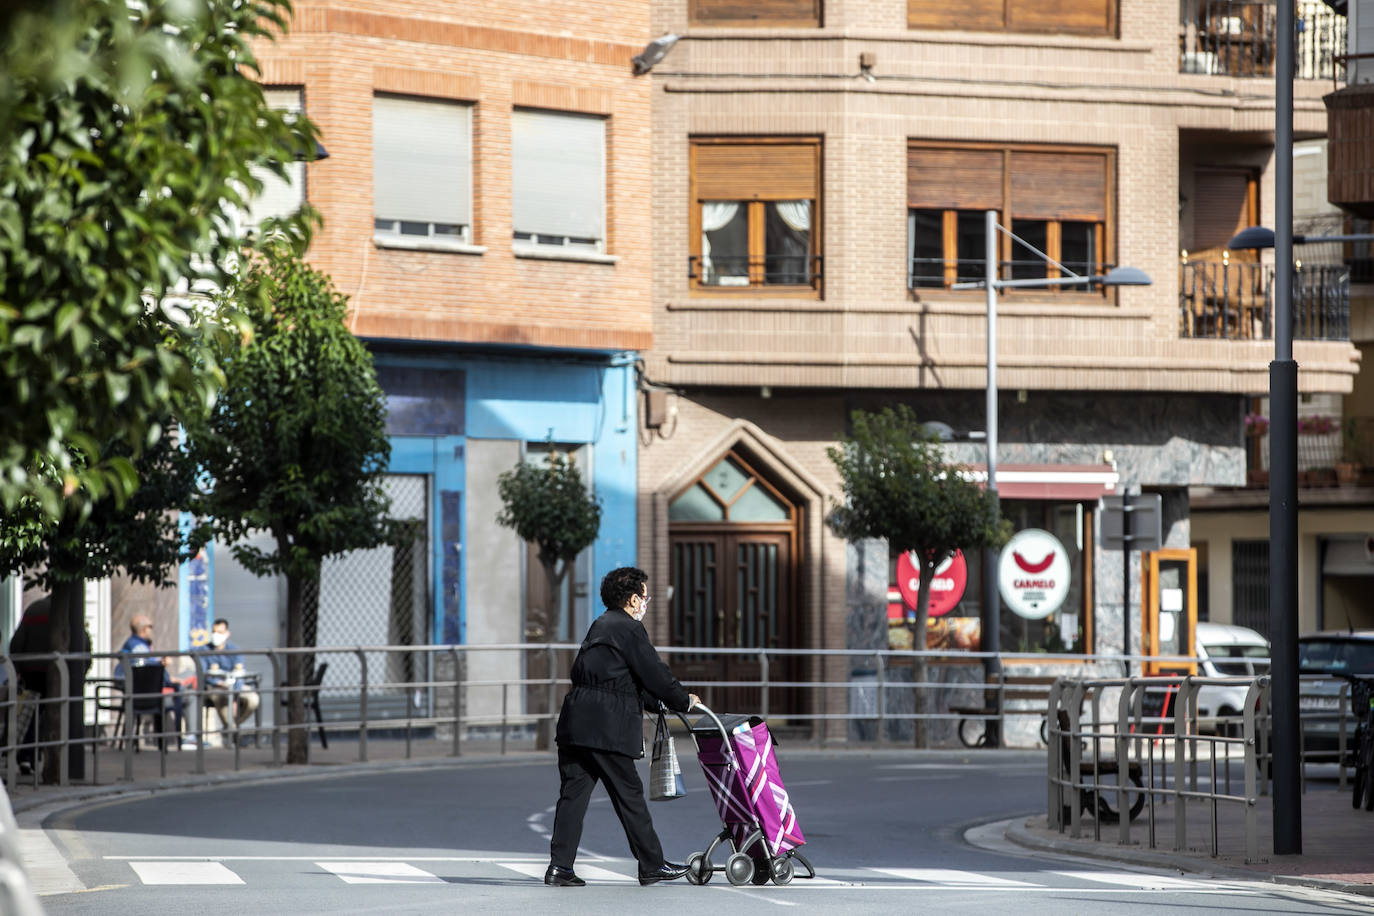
x,y
1137,880
950,877
380,873
184,873
585,872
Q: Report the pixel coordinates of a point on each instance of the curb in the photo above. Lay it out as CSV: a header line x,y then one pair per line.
x,y
1022,834
78,796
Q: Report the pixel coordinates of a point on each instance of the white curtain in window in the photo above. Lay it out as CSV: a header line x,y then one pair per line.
x,y
715,215
795,213
279,197
558,174
421,160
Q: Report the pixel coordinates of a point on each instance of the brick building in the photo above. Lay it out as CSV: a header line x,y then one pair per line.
x,y
484,204
821,172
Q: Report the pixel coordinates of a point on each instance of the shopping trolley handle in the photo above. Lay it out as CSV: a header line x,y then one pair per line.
x,y
702,707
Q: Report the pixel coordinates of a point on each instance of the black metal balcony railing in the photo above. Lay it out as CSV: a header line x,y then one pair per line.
x,y
937,273
1235,301
1238,38
744,272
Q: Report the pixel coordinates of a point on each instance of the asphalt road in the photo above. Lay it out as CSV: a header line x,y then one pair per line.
x,y
886,832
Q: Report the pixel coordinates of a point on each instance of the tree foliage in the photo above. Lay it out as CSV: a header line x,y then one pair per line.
x,y
898,487
548,505
128,136
295,445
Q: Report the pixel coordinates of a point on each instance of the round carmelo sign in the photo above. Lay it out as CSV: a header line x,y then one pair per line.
x,y
946,588
1033,574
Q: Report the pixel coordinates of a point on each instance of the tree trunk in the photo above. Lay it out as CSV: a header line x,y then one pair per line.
x,y
539,664
918,668
298,739
67,628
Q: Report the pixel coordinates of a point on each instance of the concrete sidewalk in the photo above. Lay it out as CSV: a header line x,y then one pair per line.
x,y
1337,841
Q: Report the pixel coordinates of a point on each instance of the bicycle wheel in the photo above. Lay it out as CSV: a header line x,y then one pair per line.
x,y
973,732
1357,782
1369,779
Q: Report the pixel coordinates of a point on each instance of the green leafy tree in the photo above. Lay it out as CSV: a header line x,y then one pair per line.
x,y
548,505
898,487
129,132
295,445
138,536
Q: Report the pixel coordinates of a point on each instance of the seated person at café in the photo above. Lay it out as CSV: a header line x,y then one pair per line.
x,y
224,675
141,640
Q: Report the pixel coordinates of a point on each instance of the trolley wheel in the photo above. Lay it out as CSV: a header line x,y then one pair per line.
x,y
762,872
698,869
739,869
783,871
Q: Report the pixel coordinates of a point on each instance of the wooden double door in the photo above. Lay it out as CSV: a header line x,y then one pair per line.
x,y
734,589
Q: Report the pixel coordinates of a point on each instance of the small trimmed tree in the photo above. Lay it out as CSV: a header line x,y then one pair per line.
x,y
898,487
295,446
548,506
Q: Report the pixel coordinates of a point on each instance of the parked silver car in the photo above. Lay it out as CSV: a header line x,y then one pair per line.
x,y
1224,650
1319,698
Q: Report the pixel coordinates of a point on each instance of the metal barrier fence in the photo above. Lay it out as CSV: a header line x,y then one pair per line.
x,y
1161,713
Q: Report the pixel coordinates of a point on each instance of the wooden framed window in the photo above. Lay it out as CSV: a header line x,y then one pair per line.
x,y
755,216
1070,17
1058,199
760,13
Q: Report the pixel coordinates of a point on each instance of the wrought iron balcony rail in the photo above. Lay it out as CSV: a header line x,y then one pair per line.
x,y
1239,38
1234,301
746,272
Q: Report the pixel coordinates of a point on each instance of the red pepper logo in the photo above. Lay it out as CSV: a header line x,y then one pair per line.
x,y
1030,567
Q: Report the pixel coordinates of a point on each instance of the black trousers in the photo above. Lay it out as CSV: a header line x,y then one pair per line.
x,y
579,770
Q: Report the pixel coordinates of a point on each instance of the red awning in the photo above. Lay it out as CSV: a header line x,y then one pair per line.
x,y
1069,482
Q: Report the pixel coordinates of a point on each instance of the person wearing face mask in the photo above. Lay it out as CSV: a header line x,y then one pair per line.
x,y
616,675
224,676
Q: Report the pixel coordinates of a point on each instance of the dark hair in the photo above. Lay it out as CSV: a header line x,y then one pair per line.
x,y
218,621
620,584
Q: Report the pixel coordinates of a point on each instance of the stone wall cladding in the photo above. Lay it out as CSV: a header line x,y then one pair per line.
x,y
494,56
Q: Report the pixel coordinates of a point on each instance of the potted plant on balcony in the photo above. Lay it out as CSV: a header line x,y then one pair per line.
x,y
1321,474
1256,428
1348,468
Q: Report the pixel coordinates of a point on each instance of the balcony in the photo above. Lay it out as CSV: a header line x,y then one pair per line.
x,y
1238,38
1332,451
1233,300
744,272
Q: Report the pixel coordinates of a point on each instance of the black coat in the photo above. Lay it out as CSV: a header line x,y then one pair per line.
x,y
616,676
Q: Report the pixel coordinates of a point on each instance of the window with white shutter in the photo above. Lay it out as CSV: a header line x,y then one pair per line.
x,y
558,180
280,197
422,168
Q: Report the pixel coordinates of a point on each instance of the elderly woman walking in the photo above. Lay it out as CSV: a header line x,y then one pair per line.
x,y
616,675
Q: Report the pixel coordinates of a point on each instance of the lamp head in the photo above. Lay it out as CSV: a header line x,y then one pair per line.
x,y
1253,237
653,52
1126,276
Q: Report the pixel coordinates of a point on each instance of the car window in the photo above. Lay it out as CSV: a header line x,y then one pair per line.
x,y
1231,668
1336,655
1239,660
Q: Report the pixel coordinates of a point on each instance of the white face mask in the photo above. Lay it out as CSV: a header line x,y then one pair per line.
x,y
643,609
218,639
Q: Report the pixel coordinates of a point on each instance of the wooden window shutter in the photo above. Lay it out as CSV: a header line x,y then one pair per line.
x,y
973,15
757,12
757,171
1046,185
1078,17
954,179
1222,206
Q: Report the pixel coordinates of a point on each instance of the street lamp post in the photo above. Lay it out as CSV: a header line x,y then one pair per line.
x,y
990,622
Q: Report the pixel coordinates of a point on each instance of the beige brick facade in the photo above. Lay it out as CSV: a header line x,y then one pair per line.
x,y
560,56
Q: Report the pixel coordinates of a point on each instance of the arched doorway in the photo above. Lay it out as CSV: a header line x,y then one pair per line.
x,y
733,548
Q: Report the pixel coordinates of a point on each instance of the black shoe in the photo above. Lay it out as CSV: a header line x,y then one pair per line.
x,y
562,877
668,871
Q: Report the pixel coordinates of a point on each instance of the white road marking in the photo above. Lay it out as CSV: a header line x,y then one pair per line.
x,y
951,877
585,872
45,864
1138,880
376,872
184,873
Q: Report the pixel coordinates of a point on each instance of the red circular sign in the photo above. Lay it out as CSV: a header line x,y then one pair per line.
x,y
946,588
